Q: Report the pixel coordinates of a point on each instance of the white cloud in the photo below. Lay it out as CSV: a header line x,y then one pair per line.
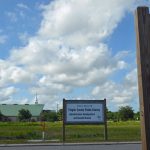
x,y
11,74
24,37
119,93
82,23
6,93
72,67
69,52
22,6
131,77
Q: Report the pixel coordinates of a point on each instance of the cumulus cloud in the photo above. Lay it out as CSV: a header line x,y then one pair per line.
x,y
12,74
69,52
119,93
6,93
82,23
24,37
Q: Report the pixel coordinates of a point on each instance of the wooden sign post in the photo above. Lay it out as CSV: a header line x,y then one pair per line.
x,y
143,60
84,112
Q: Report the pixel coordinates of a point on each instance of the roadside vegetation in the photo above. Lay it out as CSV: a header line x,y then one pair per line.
x,y
123,125
18,132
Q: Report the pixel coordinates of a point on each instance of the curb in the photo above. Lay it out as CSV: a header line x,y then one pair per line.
x,y
69,144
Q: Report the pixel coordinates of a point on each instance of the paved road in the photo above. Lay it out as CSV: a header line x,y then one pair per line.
x,y
76,147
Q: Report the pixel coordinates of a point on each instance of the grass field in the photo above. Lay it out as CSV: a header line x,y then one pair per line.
x,y
21,132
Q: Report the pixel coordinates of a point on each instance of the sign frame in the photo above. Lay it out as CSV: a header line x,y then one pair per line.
x,y
104,122
78,102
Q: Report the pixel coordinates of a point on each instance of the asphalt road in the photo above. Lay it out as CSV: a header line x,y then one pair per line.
x,y
76,147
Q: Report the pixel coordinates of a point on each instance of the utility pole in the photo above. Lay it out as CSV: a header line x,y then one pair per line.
x,y
142,22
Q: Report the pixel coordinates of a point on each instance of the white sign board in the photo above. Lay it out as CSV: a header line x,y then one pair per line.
x,y
85,112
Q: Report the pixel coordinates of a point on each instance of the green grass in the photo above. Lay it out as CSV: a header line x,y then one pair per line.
x,y
21,132
124,131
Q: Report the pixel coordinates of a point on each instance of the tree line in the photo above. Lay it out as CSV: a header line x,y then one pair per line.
x,y
24,115
123,114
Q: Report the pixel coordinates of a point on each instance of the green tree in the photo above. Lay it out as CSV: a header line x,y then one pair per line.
x,y
59,114
43,116
113,116
49,116
110,115
1,116
137,116
24,115
52,117
126,113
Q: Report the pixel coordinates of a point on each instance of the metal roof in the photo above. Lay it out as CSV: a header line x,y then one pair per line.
x,y
13,109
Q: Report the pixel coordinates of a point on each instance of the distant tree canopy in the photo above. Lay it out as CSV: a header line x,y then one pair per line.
x,y
24,115
137,116
112,116
1,116
52,116
59,114
123,114
49,116
126,113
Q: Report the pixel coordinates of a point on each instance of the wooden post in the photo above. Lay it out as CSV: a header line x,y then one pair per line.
x,y
142,22
43,125
64,117
105,121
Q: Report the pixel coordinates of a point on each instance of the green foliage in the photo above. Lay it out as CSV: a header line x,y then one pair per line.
x,y
24,115
137,116
126,113
113,116
1,116
49,116
15,132
59,114
43,116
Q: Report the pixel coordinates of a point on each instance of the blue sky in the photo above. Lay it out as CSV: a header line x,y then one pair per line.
x,y
68,49
16,19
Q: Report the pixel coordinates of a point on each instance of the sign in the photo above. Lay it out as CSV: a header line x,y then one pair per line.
x,y
84,112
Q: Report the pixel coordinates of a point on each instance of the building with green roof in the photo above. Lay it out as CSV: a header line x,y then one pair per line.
x,y
10,111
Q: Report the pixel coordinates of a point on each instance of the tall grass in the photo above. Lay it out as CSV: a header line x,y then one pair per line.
x,y
17,132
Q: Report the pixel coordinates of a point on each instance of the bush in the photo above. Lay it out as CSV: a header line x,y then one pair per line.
x,y
24,115
126,113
